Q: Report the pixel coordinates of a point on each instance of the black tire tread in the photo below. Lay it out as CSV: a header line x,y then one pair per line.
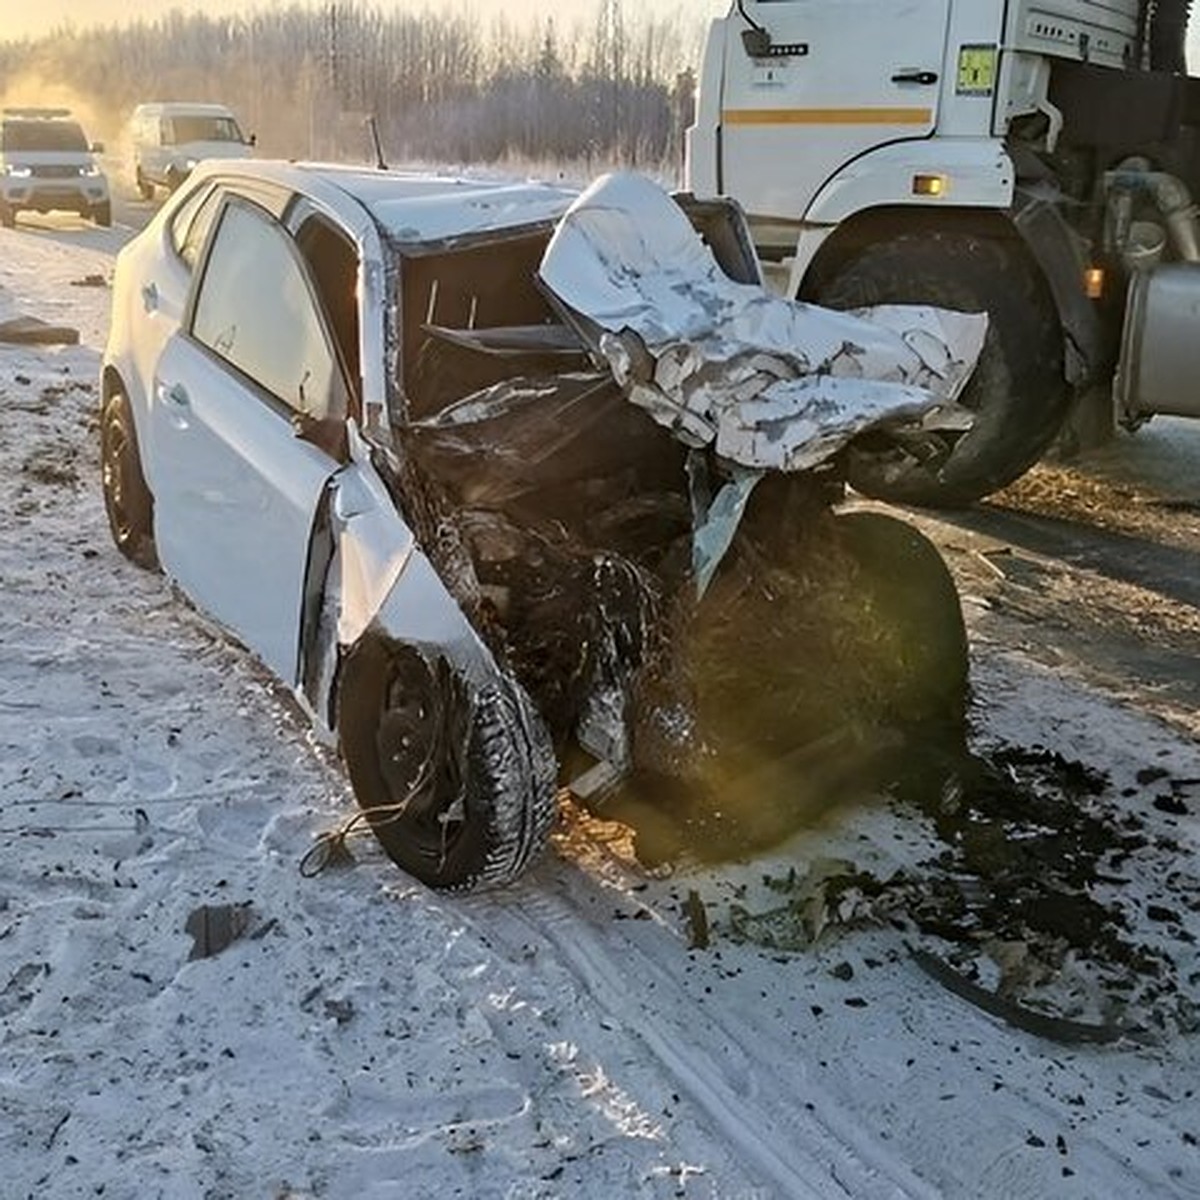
x,y
509,767
524,793
138,546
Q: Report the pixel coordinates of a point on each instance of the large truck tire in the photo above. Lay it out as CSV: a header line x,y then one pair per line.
x,y
1018,391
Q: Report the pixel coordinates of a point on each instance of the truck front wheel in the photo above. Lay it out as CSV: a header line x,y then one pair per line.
x,y
1017,392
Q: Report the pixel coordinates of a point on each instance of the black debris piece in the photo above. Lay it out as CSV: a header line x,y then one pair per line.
x,y
697,921
1171,804
217,926
32,331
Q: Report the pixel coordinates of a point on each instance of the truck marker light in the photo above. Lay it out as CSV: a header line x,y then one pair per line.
x,y
1093,283
929,185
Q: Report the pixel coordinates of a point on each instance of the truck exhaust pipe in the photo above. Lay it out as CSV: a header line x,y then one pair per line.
x,y
1160,353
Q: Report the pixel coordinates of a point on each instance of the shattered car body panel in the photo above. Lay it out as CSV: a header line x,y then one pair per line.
x,y
773,384
769,384
498,558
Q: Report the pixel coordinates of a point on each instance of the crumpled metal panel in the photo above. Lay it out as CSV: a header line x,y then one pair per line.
x,y
769,383
418,208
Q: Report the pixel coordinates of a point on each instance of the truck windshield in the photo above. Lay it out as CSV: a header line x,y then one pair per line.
x,y
42,135
205,129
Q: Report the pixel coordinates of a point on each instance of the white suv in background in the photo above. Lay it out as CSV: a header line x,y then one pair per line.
x,y
47,165
169,139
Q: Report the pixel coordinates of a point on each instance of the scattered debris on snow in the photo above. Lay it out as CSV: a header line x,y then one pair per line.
x,y
33,331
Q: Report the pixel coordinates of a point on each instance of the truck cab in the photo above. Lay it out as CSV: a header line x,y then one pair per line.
x,y
1034,159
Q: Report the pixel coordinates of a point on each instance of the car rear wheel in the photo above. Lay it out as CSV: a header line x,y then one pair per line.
x,y
458,782
127,498
824,648
1017,392
144,187
855,619
8,217
907,606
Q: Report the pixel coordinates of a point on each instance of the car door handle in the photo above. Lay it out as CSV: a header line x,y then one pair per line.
x,y
177,395
150,297
925,78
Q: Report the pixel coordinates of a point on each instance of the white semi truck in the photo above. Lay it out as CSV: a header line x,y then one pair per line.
x,y
1036,159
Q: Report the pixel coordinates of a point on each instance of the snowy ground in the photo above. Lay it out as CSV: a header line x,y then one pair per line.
x,y
369,1039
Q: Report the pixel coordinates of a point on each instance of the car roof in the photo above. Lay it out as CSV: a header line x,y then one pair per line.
x,y
413,207
18,113
185,106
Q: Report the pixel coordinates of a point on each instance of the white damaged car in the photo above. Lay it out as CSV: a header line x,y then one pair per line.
x,y
519,488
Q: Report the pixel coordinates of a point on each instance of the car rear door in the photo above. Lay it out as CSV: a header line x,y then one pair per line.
x,y
236,490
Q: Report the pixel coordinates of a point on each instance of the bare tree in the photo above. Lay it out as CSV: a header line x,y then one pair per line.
x,y
305,76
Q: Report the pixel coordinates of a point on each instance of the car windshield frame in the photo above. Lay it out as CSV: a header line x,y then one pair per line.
x,y
31,134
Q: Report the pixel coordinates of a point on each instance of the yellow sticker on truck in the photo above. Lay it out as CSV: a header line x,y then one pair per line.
x,y
976,71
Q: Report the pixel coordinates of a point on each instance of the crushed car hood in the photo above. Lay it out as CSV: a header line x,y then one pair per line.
x,y
769,383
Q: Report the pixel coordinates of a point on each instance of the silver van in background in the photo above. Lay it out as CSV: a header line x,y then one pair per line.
x,y
168,139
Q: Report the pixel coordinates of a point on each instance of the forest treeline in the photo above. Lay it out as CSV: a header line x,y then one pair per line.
x,y
442,86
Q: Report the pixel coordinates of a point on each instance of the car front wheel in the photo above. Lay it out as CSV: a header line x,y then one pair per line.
x,y
127,498
457,781
102,213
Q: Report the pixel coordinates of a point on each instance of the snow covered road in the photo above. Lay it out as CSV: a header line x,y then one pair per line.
x,y
366,1038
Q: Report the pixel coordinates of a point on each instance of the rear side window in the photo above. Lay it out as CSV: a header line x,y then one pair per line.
x,y
255,309
190,225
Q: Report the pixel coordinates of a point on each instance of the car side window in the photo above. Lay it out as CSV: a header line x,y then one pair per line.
x,y
255,309
190,225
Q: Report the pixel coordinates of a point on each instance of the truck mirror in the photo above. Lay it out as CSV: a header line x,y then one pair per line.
x,y
757,42
252,140
97,147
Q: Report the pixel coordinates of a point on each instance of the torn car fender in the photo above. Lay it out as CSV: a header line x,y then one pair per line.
x,y
380,579
374,546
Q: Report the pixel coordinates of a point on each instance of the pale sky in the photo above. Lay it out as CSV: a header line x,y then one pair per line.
x,y
19,18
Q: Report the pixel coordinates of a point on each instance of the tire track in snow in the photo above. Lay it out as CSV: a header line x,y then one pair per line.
x,y
747,1099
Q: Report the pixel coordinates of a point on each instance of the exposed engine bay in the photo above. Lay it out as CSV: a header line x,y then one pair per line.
x,y
626,453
